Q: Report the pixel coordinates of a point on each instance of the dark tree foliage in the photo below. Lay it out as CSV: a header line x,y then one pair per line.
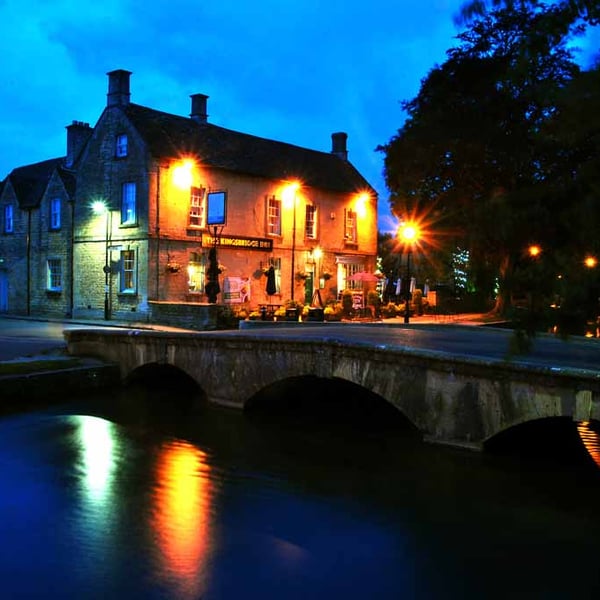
x,y
470,151
569,11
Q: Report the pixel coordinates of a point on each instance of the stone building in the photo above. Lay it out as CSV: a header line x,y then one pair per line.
x,y
157,209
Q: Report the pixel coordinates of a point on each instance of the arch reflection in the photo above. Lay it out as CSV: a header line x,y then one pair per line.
x,y
590,439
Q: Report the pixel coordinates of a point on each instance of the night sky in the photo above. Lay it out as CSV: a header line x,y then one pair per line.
x,y
284,70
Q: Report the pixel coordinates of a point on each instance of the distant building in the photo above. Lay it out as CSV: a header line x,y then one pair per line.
x,y
123,226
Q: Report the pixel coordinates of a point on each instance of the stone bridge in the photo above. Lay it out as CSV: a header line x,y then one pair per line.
x,y
452,400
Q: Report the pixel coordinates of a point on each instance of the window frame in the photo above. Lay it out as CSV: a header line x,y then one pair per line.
x,y
199,194
129,204
196,273
121,145
54,275
350,226
8,224
54,217
274,216
128,272
310,222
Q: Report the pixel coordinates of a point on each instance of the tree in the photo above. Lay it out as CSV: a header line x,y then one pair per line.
x,y
569,11
469,151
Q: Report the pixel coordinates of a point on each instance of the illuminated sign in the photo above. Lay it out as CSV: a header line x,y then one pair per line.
x,y
246,243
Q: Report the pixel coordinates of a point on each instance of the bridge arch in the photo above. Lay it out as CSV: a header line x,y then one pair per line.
x,y
328,399
174,385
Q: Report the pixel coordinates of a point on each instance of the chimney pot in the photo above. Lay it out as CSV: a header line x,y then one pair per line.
x,y
338,145
78,133
199,113
118,88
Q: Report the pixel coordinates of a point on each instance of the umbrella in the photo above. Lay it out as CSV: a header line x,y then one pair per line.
x,y
364,277
271,286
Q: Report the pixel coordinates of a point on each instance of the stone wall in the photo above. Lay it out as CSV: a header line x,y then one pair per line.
x,y
186,315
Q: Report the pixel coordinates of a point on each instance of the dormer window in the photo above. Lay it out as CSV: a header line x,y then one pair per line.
x,y
121,147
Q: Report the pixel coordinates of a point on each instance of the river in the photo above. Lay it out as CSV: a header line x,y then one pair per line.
x,y
120,496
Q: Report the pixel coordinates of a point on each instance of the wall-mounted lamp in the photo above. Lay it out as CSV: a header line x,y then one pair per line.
x,y
183,174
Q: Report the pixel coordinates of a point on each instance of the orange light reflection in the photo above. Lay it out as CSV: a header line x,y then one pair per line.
x,y
182,512
590,439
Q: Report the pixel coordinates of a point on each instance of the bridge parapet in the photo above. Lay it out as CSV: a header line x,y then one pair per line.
x,y
452,400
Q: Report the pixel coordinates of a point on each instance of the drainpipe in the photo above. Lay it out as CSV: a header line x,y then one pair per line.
x,y
28,267
157,230
72,263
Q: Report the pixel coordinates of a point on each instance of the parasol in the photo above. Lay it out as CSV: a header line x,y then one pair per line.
x,y
271,286
364,277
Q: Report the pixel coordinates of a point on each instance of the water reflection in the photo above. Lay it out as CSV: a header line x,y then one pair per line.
x,y
182,515
98,452
590,439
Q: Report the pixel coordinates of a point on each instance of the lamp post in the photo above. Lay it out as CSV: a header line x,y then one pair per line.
x,y
100,208
290,192
212,287
409,233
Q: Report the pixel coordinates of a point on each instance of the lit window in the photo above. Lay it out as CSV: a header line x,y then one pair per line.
x,y
55,213
121,147
197,207
54,275
196,272
9,225
128,204
128,272
274,216
350,226
311,221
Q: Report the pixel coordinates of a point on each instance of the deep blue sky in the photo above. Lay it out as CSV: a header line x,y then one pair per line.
x,y
294,71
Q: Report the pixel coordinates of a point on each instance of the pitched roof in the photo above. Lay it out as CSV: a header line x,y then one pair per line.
x,y
30,181
170,135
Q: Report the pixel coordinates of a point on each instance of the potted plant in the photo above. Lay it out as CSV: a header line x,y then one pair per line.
x,y
173,267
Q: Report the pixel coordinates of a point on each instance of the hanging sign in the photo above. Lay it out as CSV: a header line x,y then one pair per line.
x,y
244,243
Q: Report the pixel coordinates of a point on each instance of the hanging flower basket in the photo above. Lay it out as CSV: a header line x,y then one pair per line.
x,y
327,276
173,267
301,276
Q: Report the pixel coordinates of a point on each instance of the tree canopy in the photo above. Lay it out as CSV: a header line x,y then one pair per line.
x,y
486,150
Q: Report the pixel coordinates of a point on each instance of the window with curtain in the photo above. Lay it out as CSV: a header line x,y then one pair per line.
x,y
128,204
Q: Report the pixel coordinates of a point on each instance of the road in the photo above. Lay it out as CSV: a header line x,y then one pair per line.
x,y
23,338
26,338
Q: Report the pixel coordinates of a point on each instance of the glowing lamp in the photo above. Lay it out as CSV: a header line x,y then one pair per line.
x,y
590,262
360,205
289,194
183,175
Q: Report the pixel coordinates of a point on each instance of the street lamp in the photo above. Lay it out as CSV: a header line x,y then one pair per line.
x,y
100,208
409,234
290,197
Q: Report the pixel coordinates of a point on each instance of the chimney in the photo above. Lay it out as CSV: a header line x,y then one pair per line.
x,y
78,133
118,88
338,145
198,113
